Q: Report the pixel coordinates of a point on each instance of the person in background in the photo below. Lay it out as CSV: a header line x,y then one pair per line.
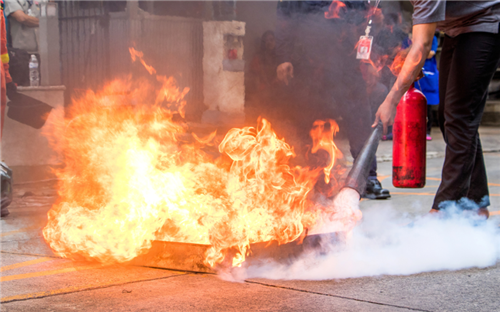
x,y
262,78
469,59
389,42
375,89
429,84
321,76
23,23
5,79
4,68
23,26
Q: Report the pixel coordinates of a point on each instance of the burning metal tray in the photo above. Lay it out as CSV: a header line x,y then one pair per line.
x,y
190,257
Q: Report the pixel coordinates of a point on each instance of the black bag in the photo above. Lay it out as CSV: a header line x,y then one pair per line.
x,y
25,109
6,177
19,66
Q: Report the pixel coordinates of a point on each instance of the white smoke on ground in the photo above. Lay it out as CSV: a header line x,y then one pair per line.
x,y
387,244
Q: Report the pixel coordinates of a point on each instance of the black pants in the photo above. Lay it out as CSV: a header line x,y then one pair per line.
x,y
467,65
429,119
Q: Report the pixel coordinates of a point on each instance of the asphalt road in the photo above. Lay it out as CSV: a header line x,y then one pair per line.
x,y
33,279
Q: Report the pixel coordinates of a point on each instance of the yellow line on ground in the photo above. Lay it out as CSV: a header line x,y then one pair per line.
x,y
410,193
72,289
20,230
433,179
382,178
494,213
45,273
23,264
438,179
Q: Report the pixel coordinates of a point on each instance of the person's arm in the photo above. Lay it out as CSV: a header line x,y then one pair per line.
x,y
25,19
285,37
422,43
432,53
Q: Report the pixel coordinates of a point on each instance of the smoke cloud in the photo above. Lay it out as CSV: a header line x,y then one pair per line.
x,y
387,244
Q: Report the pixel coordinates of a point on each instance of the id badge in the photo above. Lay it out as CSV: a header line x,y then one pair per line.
x,y
364,47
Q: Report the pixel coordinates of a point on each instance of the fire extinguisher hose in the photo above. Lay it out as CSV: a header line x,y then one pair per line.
x,y
358,175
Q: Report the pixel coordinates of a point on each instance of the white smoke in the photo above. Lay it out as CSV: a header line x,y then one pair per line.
x,y
385,243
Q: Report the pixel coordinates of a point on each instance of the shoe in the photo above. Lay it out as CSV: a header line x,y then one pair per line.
x,y
374,190
428,137
481,212
5,212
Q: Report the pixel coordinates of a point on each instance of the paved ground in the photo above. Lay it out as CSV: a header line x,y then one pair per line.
x,y
32,279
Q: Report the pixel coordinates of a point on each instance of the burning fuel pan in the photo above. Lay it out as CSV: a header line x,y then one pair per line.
x,y
190,257
177,256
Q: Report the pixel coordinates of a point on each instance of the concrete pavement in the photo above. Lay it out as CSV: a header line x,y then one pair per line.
x,y
33,279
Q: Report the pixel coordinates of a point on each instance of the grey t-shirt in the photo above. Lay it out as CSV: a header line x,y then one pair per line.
x,y
458,17
23,37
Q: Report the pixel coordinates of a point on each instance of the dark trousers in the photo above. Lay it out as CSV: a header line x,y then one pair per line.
x,y
429,119
357,121
467,65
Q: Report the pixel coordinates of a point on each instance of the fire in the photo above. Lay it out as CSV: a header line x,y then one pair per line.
x,y
334,9
322,135
139,55
132,177
398,62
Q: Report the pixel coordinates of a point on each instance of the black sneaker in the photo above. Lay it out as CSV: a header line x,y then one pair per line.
x,y
374,190
5,212
6,189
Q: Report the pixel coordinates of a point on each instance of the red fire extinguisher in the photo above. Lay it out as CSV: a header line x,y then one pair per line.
x,y
409,143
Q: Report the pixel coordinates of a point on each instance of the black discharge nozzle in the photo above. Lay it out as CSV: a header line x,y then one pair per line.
x,y
361,168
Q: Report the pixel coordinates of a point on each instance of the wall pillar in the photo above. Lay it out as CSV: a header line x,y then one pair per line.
x,y
223,72
50,62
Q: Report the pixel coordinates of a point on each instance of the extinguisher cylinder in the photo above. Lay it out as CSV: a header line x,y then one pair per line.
x,y
409,142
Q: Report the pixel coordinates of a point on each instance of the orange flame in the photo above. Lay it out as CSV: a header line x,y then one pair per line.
x,y
398,62
129,180
322,135
400,59
139,55
334,9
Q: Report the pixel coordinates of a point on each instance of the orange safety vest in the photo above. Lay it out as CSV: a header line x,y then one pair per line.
x,y
4,54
